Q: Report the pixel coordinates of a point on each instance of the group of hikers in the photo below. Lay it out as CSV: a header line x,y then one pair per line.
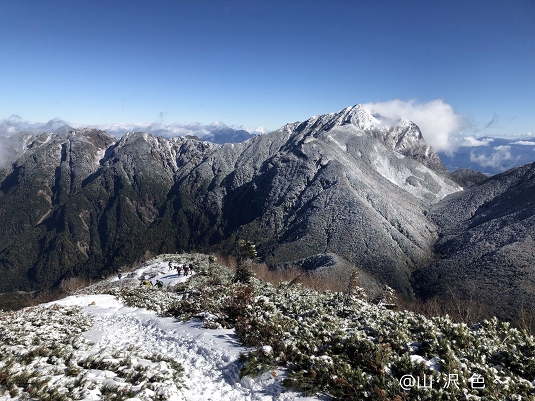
x,y
187,269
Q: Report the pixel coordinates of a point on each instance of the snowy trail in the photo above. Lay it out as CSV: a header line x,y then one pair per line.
x,y
209,357
195,349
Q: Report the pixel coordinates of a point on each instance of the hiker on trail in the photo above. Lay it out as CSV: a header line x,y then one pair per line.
x,y
170,267
186,270
120,276
146,283
159,283
178,270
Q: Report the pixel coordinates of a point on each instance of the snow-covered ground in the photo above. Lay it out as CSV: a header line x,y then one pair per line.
x,y
102,349
209,357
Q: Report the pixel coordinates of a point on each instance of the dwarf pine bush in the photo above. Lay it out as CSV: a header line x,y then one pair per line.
x,y
330,343
361,351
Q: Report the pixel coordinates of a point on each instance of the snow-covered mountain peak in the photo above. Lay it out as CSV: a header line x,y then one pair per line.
x,y
65,130
358,116
404,123
363,120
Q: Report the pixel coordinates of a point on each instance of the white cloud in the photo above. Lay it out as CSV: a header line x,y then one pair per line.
x,y
525,143
522,136
438,121
257,130
470,141
496,159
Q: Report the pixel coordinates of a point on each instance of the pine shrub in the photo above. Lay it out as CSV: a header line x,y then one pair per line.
x,y
358,350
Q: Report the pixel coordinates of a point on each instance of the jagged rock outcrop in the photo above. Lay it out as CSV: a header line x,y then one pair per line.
x,y
339,183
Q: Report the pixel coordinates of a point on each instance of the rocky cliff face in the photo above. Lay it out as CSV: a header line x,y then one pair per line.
x,y
84,203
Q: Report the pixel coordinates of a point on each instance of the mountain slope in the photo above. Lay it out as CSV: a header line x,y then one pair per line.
x,y
486,245
465,177
338,183
72,203
333,183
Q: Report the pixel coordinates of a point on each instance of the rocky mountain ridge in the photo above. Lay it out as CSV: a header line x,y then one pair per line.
x,y
84,203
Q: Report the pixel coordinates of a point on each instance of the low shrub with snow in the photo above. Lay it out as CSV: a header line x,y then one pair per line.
x,y
328,343
44,356
148,297
360,351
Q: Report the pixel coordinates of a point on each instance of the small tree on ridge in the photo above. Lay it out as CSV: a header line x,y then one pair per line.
x,y
246,253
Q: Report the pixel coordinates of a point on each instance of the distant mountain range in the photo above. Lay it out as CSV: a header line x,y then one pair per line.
x,y
82,202
215,132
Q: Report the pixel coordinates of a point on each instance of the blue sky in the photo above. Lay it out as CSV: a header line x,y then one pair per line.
x,y
255,63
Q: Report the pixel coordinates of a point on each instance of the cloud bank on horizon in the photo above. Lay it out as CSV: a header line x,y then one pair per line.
x,y
441,126
202,131
15,124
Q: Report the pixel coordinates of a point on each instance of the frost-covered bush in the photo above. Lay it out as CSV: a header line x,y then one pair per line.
x,y
362,351
44,356
148,297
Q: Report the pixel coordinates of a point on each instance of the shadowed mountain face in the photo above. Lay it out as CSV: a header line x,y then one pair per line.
x,y
486,247
74,203
81,202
